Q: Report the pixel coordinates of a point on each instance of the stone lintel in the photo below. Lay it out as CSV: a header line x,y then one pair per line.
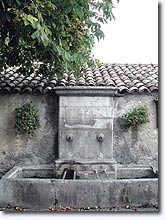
x,y
86,91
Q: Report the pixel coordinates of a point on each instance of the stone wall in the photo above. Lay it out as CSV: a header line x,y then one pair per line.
x,y
131,146
15,147
136,145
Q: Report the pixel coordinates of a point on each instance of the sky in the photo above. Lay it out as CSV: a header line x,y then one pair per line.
x,y
133,36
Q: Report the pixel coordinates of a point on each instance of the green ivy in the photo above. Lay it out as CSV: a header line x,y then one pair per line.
x,y
27,119
139,115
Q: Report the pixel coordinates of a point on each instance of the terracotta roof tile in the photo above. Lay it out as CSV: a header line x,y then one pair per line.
x,y
125,77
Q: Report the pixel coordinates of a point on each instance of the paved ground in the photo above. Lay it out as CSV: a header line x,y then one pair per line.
x,y
86,209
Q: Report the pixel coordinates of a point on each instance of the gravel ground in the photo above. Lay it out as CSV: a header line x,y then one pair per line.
x,y
85,209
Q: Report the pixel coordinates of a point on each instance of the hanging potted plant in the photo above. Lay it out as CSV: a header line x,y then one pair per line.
x,y
27,119
138,116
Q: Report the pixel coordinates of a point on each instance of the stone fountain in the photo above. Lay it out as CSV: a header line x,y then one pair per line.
x,y
85,173
86,133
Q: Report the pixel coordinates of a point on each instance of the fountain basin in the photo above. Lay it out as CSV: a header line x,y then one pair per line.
x,y
42,187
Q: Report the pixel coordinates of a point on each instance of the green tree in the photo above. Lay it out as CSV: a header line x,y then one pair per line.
x,y
58,34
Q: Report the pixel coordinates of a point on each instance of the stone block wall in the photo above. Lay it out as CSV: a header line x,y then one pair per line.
x,y
15,147
84,120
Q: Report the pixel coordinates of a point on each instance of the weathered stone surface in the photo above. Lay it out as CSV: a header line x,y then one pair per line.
x,y
86,101
134,172
132,146
86,112
15,147
93,91
87,123
106,193
82,120
136,145
24,193
44,193
87,148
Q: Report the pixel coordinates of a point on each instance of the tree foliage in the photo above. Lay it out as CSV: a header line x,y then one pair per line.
x,y
58,34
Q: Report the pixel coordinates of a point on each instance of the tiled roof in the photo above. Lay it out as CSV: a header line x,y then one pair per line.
x,y
125,77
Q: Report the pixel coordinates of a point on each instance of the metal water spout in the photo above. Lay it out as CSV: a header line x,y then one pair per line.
x,y
96,172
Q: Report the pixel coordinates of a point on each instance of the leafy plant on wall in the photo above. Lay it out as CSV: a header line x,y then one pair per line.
x,y
138,116
27,119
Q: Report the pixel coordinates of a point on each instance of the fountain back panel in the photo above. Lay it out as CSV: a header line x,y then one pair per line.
x,y
86,131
